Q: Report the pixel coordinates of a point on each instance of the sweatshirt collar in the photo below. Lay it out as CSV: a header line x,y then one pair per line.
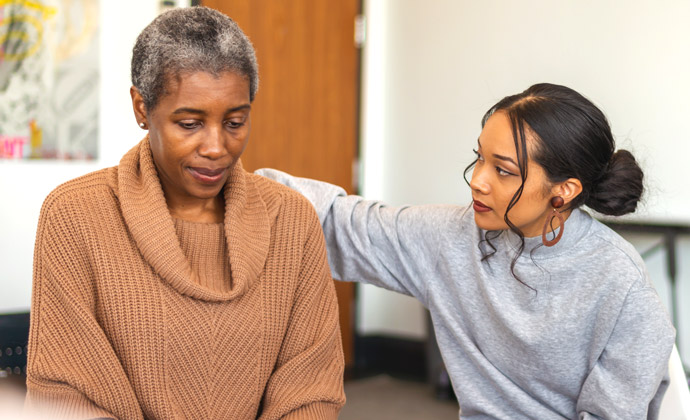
x,y
575,228
246,225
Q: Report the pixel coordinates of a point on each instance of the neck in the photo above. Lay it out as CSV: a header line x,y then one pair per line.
x,y
195,210
576,226
553,224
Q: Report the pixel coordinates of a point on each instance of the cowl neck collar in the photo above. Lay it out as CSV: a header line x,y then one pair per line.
x,y
246,225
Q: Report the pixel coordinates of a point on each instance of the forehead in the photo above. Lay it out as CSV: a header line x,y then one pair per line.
x,y
497,135
199,86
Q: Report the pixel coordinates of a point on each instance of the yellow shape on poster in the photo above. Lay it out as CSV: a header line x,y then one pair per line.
x,y
24,36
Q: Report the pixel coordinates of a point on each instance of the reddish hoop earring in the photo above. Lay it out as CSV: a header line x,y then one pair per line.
x,y
556,203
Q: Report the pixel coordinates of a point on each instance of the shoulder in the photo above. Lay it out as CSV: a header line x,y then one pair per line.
x,y
443,217
73,209
81,192
282,200
452,221
625,272
621,259
428,230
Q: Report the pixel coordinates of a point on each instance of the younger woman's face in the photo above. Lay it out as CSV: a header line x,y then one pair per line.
x,y
496,178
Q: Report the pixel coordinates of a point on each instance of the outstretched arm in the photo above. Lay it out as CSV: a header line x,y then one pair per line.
x,y
391,247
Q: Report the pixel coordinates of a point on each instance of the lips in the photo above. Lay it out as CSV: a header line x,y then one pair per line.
x,y
480,207
207,175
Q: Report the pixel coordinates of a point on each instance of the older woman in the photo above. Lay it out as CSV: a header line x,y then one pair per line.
x,y
540,311
176,285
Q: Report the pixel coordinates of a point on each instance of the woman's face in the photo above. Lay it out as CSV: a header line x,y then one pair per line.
x,y
197,133
496,178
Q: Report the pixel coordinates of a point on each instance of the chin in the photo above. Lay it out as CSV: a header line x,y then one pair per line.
x,y
485,224
205,192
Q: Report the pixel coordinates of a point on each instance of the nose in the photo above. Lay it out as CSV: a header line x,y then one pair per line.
x,y
213,144
479,183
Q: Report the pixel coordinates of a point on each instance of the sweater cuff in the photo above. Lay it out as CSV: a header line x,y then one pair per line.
x,y
315,411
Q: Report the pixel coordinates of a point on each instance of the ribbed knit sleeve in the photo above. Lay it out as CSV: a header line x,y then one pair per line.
x,y
73,372
307,379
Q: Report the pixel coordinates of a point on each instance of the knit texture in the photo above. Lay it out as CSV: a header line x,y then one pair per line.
x,y
204,246
134,316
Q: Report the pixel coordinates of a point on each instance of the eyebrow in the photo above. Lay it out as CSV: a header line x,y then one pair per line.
x,y
201,112
505,159
500,157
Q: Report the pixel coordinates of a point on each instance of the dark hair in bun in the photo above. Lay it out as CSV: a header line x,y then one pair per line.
x,y
571,139
620,188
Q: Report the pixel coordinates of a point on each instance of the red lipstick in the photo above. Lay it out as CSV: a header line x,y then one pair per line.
x,y
480,207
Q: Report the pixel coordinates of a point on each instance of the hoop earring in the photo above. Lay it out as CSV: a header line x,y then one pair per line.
x,y
556,203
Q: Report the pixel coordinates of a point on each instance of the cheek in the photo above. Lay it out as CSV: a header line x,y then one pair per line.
x,y
158,149
167,155
534,195
238,143
529,207
504,194
520,210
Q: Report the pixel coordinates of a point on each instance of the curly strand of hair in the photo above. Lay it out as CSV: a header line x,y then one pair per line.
x,y
487,240
520,141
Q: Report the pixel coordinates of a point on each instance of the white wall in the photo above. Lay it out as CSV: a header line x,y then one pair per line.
x,y
432,68
24,185
380,311
421,113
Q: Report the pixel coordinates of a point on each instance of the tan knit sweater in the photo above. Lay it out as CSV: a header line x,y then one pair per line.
x,y
126,324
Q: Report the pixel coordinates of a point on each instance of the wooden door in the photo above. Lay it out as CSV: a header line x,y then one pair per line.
x,y
305,114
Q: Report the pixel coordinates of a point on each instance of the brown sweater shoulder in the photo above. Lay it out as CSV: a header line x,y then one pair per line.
x,y
276,195
100,183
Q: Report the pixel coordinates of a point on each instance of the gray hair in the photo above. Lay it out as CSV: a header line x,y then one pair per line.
x,y
190,39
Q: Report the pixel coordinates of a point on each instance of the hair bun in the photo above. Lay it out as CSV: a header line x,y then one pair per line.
x,y
620,187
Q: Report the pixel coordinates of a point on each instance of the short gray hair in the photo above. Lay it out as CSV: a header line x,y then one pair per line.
x,y
190,39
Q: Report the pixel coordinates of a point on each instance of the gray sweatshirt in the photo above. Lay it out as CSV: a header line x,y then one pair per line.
x,y
589,340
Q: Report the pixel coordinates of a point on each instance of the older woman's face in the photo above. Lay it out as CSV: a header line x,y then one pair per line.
x,y
197,133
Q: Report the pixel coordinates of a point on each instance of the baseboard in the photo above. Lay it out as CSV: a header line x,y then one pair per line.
x,y
399,357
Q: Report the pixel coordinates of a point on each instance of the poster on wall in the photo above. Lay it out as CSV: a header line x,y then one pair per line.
x,y
49,79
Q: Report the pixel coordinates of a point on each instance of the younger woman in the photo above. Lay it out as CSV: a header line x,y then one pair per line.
x,y
540,311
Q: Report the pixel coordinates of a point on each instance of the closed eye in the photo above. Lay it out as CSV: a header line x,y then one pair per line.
x,y
189,125
235,124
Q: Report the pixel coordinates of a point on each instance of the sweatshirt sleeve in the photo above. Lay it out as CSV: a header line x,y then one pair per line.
x,y
391,247
630,377
72,370
307,381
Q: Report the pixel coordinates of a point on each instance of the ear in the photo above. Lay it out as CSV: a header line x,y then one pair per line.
x,y
568,189
138,105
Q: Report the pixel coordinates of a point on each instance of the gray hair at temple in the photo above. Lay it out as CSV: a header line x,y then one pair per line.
x,y
187,40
